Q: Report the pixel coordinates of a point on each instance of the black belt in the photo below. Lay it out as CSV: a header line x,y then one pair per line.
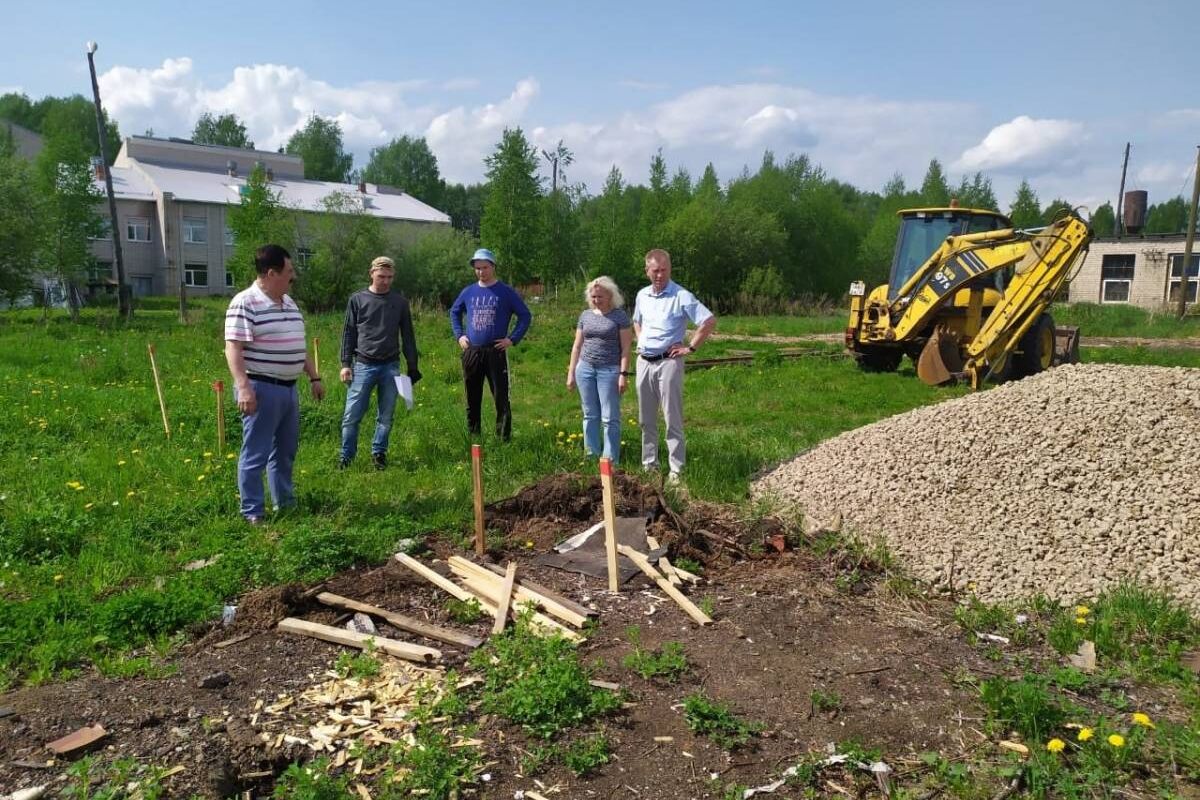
x,y
266,379
653,359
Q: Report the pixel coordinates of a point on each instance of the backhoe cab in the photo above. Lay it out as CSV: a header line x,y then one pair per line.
x,y
967,297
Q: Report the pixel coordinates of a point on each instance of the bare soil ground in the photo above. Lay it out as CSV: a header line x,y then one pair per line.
x,y
783,631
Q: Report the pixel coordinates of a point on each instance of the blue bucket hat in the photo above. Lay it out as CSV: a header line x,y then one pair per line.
x,y
483,254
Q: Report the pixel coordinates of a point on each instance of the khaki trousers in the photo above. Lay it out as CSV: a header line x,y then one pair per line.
x,y
660,385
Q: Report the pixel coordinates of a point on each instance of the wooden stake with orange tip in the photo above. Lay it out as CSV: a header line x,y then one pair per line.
x,y
610,524
219,388
477,480
162,405
317,355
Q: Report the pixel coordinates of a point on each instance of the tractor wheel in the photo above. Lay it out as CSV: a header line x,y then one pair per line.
x,y
880,359
1035,352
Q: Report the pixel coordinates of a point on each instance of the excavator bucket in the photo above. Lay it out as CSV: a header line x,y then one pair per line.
x,y
1066,345
941,358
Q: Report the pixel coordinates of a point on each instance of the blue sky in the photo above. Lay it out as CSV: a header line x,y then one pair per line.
x,y
1048,92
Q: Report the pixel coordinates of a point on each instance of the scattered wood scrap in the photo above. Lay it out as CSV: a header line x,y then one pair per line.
x,y
79,741
481,590
645,566
523,591
340,716
505,600
401,621
547,595
393,647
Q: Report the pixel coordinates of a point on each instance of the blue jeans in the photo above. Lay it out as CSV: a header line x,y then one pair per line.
x,y
601,400
358,397
270,438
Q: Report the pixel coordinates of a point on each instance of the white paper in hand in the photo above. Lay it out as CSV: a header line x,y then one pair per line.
x,y
405,387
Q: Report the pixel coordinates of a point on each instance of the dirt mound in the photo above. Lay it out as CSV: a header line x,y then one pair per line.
x,y
1065,483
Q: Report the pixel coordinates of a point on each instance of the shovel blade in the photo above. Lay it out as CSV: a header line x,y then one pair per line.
x,y
940,358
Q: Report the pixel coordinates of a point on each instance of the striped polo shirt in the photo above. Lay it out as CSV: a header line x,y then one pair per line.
x,y
273,333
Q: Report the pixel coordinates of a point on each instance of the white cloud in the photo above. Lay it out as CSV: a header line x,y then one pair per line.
x,y
461,138
1023,143
1163,172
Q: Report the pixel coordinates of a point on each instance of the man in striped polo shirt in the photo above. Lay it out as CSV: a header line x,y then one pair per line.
x,y
266,351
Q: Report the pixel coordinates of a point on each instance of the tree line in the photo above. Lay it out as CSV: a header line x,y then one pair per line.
x,y
755,241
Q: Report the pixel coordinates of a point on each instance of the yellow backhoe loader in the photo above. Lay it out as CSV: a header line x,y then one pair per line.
x,y
968,297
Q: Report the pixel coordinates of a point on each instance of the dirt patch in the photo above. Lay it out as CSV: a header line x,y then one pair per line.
x,y
784,634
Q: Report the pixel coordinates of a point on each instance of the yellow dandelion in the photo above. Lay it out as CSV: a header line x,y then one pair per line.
x,y
1081,620
130,493
116,502
207,455
201,477
187,461
120,463
58,578
562,433
87,506
79,488
135,451
545,424
1116,740
1141,719
1082,611
230,455
1085,734
1056,745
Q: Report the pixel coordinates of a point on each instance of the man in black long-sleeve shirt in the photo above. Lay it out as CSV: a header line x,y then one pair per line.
x,y
378,325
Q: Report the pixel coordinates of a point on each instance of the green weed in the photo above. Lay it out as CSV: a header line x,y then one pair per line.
x,y
667,663
716,721
464,611
538,682
311,781
1023,705
689,565
587,755
432,767
358,665
825,701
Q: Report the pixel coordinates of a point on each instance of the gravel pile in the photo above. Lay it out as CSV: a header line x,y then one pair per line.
x,y
1064,484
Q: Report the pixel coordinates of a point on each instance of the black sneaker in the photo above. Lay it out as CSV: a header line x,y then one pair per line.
x,y
379,460
343,464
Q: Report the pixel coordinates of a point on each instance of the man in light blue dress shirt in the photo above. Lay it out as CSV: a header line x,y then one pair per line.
x,y
660,319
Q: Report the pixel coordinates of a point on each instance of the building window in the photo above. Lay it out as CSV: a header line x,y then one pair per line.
x,y
195,275
228,279
228,236
137,229
103,230
195,230
1193,277
304,257
1116,277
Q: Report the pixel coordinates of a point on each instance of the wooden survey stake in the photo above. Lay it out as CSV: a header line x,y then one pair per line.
x,y
610,524
317,355
162,406
219,388
477,480
506,591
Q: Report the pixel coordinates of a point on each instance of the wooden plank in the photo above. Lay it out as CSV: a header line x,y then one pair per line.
x,y
683,573
669,570
477,486
644,565
463,566
610,525
401,621
487,594
437,580
549,594
505,601
393,647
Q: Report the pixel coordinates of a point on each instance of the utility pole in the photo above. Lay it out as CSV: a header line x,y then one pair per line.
x,y
1185,269
124,301
1119,225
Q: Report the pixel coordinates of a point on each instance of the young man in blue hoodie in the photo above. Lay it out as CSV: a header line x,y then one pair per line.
x,y
488,306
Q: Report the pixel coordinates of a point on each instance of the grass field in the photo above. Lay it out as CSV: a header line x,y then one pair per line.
x,y
99,512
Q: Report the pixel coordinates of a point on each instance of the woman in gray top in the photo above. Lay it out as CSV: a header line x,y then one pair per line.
x,y
599,361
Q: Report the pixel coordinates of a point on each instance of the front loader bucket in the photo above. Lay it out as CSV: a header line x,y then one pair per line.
x,y
1066,345
941,358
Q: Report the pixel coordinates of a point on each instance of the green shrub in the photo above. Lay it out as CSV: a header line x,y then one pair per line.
x,y
667,663
1023,705
312,782
587,755
431,768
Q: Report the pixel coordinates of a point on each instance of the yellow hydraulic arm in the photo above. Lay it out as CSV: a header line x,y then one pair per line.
x,y
1041,272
